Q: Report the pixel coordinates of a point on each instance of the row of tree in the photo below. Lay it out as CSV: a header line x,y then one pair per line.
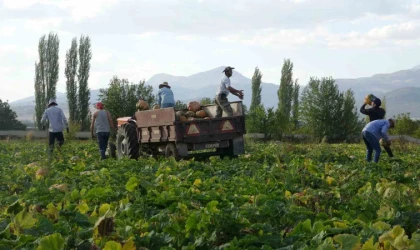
x,y
77,67
321,110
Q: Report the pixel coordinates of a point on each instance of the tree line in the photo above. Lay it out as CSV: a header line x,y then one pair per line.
x,y
77,68
320,110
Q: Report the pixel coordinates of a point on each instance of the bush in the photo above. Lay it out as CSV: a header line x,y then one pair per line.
x,y
74,128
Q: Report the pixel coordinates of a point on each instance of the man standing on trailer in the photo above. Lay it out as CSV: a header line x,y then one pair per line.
x,y
223,91
58,122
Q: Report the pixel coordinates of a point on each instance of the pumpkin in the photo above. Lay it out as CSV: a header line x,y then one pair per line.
x,y
156,106
194,106
207,118
190,114
369,98
183,118
60,187
191,118
179,113
42,172
142,105
201,114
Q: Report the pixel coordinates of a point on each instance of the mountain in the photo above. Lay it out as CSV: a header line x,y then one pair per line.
x,y
399,88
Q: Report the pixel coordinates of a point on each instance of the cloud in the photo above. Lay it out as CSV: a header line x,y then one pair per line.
x,y
5,49
43,24
7,31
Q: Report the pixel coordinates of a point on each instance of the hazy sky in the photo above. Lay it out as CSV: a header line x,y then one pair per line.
x,y
136,39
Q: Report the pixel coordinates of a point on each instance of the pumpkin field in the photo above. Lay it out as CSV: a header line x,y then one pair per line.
x,y
276,196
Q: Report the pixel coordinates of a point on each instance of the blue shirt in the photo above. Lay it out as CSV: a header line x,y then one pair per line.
x,y
378,128
56,118
165,96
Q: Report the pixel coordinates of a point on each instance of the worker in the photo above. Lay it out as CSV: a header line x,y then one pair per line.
x,y
376,113
223,91
372,133
101,124
57,121
165,96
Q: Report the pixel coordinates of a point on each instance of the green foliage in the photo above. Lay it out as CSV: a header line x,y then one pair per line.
x,y
121,96
295,107
206,101
46,73
256,89
261,120
85,55
285,94
8,118
327,112
71,84
405,125
276,196
179,105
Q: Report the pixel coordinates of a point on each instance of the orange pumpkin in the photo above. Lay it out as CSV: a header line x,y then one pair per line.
x,y
142,105
194,106
201,114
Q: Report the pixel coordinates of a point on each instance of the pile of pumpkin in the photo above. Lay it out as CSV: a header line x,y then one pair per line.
x,y
194,113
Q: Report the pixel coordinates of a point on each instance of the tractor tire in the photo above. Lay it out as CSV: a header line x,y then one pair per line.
x,y
171,151
127,142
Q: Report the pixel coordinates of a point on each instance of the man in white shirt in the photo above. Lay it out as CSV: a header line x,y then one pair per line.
x,y
223,91
58,122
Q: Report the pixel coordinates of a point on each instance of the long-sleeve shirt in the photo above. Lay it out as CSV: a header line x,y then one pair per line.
x,y
375,113
378,128
165,96
55,116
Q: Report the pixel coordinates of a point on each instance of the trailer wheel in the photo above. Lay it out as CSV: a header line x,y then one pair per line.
x,y
227,152
171,151
127,143
111,151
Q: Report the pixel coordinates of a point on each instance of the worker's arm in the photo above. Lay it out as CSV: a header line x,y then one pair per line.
x,y
92,125
66,124
111,123
364,110
384,131
238,93
44,117
158,98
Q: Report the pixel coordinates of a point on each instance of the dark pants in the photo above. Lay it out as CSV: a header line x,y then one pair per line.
x,y
103,138
55,135
223,104
389,151
371,144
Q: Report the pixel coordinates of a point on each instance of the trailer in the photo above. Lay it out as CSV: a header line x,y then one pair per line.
x,y
159,132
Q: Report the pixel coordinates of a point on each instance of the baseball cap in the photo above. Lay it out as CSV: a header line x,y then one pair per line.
x,y
228,68
377,101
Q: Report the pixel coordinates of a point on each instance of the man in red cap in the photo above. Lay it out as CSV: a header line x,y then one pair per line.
x,y
223,91
102,124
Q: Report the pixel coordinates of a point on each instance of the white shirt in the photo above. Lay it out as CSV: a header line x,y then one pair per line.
x,y
56,117
224,85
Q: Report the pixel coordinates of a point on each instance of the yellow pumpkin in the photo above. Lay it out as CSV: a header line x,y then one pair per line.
x,y
201,114
191,118
194,106
42,172
142,105
207,118
182,118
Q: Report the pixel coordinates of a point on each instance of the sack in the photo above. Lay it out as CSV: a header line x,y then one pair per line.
x,y
369,99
